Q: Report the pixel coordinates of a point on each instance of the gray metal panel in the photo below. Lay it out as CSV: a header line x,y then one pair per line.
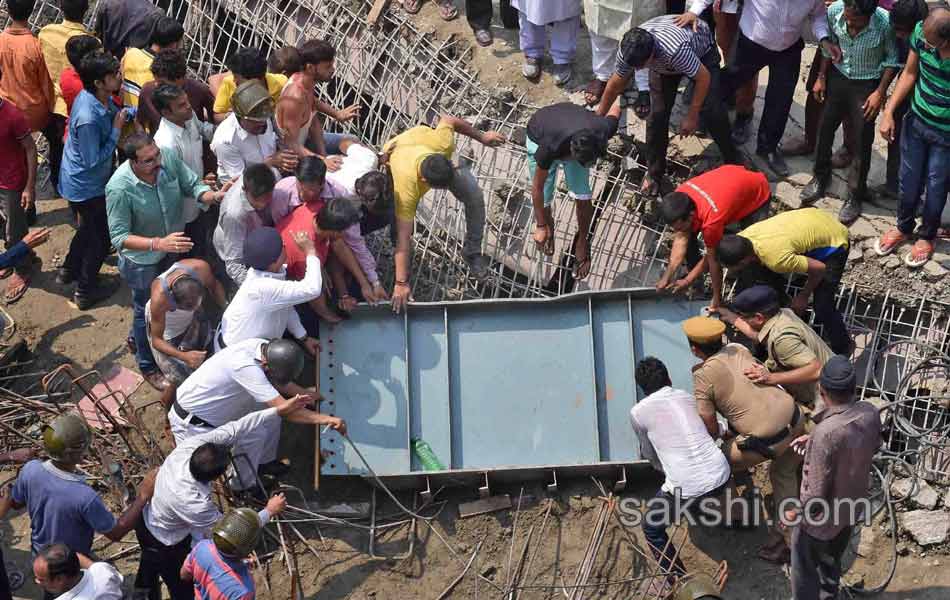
x,y
617,391
522,385
658,332
429,383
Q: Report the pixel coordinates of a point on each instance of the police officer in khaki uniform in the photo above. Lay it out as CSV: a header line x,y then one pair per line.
x,y
796,353
763,419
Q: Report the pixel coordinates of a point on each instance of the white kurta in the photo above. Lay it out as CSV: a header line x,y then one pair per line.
x,y
613,18
543,12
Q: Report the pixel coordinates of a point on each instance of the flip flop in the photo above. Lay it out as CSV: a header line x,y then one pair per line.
x,y
447,10
11,296
888,242
4,273
919,254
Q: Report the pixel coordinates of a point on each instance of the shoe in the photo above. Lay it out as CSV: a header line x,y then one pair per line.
x,y
775,161
850,211
563,74
87,299
484,37
813,191
531,69
64,277
841,159
477,265
275,468
742,129
157,380
798,147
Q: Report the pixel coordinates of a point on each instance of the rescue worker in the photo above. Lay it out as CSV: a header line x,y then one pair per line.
x,y
62,506
796,353
218,564
182,512
242,378
178,331
763,419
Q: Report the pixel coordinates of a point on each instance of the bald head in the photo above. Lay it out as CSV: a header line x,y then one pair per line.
x,y
56,569
937,29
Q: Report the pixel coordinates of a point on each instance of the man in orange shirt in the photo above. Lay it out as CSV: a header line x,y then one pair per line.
x,y
708,203
24,80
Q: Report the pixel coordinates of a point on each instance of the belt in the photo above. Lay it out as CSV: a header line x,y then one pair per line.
x,y
221,340
189,418
761,445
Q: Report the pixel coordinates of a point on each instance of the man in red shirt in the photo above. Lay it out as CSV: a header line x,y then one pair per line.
x,y
17,182
708,204
70,84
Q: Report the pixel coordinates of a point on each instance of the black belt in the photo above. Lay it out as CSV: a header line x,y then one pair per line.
x,y
221,340
187,417
763,445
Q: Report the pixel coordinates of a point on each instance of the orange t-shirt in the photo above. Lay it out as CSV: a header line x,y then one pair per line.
x,y
301,219
723,196
24,79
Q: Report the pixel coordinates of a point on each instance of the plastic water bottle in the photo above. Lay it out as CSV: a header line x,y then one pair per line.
x,y
430,462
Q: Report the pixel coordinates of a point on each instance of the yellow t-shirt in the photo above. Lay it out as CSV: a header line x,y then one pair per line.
x,y
408,149
222,102
53,40
136,72
781,242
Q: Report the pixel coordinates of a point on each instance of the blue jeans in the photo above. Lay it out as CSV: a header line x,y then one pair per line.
x,y
139,279
925,162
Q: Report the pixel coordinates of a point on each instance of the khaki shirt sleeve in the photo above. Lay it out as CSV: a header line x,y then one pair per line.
x,y
704,392
790,351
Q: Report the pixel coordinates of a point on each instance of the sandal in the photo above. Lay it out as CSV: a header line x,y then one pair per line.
x,y
649,186
411,6
16,287
594,91
919,254
4,273
447,10
886,244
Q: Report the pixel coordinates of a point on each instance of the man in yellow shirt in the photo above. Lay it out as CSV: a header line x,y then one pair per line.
x,y
53,38
244,65
137,62
419,160
808,241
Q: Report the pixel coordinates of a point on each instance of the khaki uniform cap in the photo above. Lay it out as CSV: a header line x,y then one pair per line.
x,y
704,330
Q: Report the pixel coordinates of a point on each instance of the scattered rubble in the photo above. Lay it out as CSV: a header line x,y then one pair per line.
x,y
926,527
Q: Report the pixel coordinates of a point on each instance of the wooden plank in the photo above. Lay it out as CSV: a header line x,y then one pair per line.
x,y
484,505
376,11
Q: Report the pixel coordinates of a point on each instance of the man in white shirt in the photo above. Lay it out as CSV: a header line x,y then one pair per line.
x,y
245,377
770,36
64,574
674,439
245,207
181,134
264,304
182,512
247,136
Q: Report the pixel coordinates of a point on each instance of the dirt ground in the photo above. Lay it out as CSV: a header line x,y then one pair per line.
x,y
340,568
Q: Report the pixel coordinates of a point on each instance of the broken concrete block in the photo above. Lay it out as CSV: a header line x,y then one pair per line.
x,y
855,256
892,262
924,496
926,527
934,270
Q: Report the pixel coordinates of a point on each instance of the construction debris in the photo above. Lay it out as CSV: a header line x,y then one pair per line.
x,y
926,527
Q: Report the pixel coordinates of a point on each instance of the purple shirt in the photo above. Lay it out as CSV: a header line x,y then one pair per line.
x,y
287,198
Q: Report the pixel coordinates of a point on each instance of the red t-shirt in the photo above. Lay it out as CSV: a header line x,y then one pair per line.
x,y
13,128
723,196
301,219
71,85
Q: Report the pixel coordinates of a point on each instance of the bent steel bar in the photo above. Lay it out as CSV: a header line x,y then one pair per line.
x,y
516,384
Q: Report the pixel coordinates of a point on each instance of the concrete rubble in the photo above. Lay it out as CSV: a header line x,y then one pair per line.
x,y
926,527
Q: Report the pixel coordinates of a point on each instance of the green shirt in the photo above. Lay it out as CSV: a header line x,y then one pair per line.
x,y
931,100
135,207
866,55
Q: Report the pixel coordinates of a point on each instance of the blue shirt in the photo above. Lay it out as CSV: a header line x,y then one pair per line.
x,y
218,577
62,506
87,157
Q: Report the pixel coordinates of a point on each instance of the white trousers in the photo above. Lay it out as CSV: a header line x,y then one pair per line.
x,y
563,37
603,59
260,447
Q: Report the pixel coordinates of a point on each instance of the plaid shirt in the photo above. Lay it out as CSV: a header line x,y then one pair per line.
x,y
870,52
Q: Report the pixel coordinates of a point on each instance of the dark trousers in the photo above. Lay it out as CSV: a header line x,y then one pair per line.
x,y
90,243
53,132
826,312
814,109
816,565
655,532
478,13
783,67
139,278
5,592
843,103
200,231
663,90
925,163
160,561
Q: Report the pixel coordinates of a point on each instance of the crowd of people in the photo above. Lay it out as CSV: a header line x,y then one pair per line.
x,y
232,191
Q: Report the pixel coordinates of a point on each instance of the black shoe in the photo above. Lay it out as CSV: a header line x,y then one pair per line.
x,y
813,191
741,129
89,298
775,161
64,277
850,211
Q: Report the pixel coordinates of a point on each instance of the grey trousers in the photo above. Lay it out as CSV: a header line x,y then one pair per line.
x,y
816,565
465,188
14,218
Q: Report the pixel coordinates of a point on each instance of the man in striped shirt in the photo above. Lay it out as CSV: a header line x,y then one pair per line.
x,y
925,139
670,52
